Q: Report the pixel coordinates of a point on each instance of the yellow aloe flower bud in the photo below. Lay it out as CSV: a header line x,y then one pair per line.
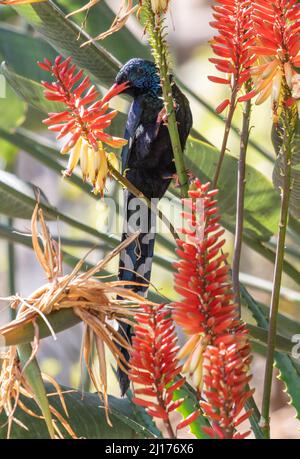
x,y
159,6
188,347
102,174
91,161
276,87
94,162
74,157
197,377
263,96
196,357
84,160
270,69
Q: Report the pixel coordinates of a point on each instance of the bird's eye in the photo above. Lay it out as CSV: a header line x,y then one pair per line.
x,y
140,71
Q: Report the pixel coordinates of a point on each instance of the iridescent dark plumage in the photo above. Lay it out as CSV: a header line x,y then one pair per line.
x,y
149,164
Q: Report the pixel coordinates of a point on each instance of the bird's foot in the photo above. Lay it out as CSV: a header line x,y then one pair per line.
x,y
175,177
163,115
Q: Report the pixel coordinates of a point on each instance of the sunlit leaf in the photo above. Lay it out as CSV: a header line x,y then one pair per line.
x,y
86,417
50,21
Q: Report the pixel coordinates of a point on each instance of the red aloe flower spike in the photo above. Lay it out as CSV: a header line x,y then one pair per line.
x,y
217,353
225,381
277,30
83,121
202,277
154,366
233,46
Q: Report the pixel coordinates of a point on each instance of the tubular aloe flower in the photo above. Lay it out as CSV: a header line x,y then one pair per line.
x,y
225,383
154,366
83,121
232,45
277,28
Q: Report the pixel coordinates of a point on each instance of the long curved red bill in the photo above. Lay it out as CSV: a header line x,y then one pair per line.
x,y
115,90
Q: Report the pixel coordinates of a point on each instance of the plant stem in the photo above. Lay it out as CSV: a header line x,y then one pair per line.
x,y
240,202
155,29
226,133
288,120
11,270
11,264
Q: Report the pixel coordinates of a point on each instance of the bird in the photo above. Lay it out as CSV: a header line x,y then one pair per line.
x,y
148,163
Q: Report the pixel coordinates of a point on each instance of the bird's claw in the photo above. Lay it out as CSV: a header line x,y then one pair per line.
x,y
175,177
163,115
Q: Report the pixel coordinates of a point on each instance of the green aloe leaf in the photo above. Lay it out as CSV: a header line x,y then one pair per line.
x,y
18,199
8,152
29,90
142,416
21,51
189,406
261,200
86,417
59,321
260,334
131,45
287,326
34,378
44,152
67,37
12,109
6,12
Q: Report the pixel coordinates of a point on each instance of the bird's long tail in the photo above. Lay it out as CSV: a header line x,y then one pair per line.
x,y
136,260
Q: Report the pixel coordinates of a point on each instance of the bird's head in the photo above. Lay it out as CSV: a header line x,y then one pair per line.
x,y
140,77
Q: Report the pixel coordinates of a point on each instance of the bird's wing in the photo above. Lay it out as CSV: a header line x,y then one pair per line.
x,y
133,120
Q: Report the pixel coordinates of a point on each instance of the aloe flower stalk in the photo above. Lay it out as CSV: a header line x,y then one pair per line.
x,y
233,47
207,311
156,30
277,27
155,371
83,121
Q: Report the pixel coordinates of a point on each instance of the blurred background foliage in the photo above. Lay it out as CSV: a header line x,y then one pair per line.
x,y
30,152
